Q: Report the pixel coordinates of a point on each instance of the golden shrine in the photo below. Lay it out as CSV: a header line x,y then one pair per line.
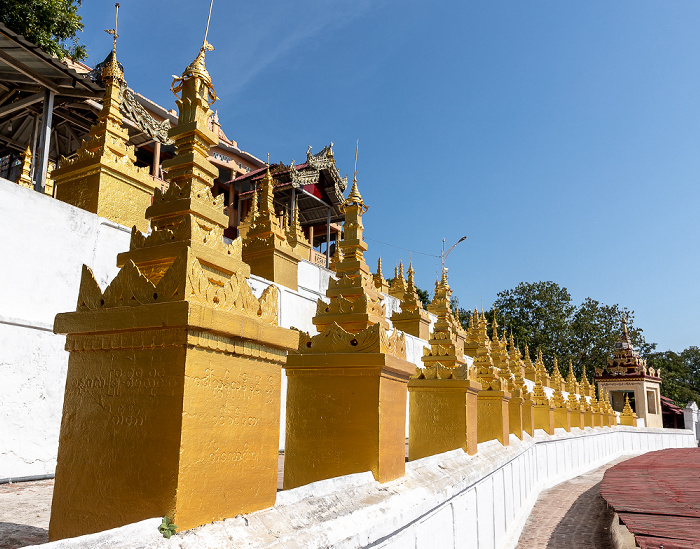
x,y
493,398
103,178
267,245
346,389
543,410
398,284
576,402
25,179
412,319
379,280
520,407
172,400
627,375
562,411
443,394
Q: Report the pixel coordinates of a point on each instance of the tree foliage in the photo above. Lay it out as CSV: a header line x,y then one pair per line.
x,y
50,24
680,374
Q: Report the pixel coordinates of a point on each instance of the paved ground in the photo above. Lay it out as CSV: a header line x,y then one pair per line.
x,y
24,513
572,515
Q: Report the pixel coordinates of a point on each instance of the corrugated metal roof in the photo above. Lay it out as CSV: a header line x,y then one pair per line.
x,y
657,496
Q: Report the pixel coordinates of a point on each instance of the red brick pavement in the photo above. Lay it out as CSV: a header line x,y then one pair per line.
x,y
571,515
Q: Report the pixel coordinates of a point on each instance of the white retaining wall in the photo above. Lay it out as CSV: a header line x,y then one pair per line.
x,y
45,242
445,501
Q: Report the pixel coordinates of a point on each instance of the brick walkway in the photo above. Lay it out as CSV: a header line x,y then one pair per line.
x,y
571,515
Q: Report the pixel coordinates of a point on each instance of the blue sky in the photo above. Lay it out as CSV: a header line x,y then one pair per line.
x,y
561,137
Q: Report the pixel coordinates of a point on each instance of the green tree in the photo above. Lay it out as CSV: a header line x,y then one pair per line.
x,y
50,24
680,374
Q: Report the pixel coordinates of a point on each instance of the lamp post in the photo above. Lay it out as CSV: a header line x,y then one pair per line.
x,y
443,255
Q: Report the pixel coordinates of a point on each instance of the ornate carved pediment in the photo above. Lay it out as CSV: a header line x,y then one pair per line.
x,y
334,339
135,112
438,371
130,288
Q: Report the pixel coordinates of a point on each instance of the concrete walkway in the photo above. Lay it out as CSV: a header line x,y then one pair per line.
x,y
571,515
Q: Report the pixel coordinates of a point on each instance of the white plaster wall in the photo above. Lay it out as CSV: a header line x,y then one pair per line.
x,y
44,244
446,501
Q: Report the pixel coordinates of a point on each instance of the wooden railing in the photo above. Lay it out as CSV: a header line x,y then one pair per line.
x,y
317,258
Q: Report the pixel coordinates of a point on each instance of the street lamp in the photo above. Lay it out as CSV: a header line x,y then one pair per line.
x,y
443,255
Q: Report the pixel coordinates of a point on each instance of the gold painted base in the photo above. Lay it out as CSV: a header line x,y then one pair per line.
x,y
274,265
629,421
588,419
492,412
442,416
418,326
166,421
346,413
562,418
515,416
529,417
116,198
544,418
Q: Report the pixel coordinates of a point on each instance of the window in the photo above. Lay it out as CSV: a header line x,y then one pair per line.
x,y
651,402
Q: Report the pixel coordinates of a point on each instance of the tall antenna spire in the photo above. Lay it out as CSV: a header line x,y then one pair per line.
x,y
113,31
357,146
206,32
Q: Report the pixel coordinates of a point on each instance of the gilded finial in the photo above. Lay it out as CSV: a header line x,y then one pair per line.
x,y
113,31
379,267
355,198
111,68
198,69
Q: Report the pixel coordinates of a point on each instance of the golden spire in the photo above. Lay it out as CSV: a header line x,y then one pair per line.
x,y
571,379
379,267
268,198
24,179
113,31
111,69
558,396
355,197
198,70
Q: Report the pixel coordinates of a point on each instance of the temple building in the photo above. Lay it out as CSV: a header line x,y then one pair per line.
x,y
627,375
315,187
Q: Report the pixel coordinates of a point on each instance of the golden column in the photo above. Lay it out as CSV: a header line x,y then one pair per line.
x,y
542,409
577,405
519,394
172,399
25,178
295,235
562,412
471,340
596,416
541,371
530,370
443,395
628,417
379,280
265,245
346,391
492,402
413,319
102,177
398,285
502,363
